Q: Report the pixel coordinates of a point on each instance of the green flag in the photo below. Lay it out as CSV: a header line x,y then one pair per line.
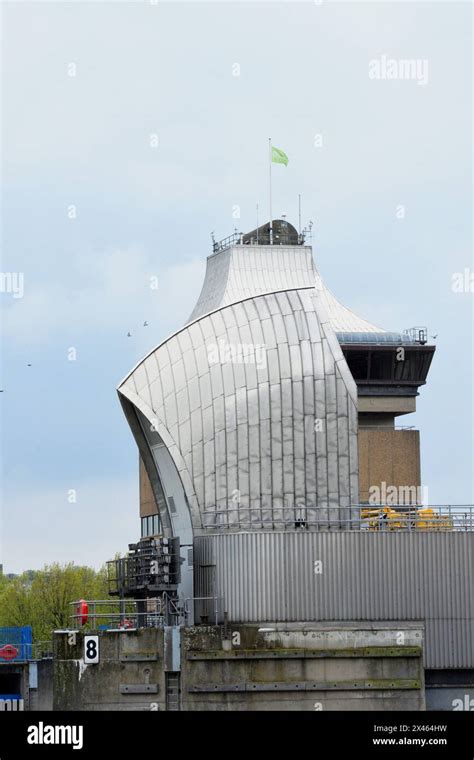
x,y
278,157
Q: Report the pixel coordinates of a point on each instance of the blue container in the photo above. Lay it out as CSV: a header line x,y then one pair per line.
x,y
15,644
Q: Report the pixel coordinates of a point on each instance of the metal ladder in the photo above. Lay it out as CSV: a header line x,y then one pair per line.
x,y
173,691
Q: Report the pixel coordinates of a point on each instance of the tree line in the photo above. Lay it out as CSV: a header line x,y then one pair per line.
x,y
41,598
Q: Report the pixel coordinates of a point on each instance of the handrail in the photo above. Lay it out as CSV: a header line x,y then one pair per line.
x,y
130,614
119,614
366,516
237,238
194,599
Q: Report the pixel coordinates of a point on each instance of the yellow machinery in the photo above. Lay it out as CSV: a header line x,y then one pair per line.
x,y
427,519
421,518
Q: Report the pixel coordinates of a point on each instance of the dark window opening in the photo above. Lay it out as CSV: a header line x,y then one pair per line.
x,y
381,365
403,369
358,362
413,367
10,684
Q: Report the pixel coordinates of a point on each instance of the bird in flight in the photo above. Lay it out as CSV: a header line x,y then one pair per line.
x,y
145,324
129,335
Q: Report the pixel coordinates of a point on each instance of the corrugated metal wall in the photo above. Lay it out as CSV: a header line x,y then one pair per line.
x,y
271,576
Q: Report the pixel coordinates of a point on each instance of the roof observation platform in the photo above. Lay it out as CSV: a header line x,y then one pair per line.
x,y
283,234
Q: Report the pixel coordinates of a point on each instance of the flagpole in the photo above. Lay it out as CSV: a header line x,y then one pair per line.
x,y
270,179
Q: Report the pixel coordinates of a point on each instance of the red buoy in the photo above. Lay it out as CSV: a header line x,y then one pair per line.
x,y
8,652
82,612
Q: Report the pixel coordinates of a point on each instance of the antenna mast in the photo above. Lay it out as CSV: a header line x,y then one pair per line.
x,y
270,183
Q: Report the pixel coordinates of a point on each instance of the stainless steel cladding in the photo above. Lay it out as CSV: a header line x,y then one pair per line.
x,y
256,410
347,576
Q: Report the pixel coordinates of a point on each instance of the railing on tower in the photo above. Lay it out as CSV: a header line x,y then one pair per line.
x,y
263,238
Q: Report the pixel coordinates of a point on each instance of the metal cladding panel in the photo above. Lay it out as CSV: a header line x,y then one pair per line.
x,y
272,577
241,271
256,427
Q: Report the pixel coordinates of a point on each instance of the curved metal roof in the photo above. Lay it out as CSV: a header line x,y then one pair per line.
x,y
246,424
243,271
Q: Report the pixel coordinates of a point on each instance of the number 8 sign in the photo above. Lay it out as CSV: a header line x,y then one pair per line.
x,y
91,650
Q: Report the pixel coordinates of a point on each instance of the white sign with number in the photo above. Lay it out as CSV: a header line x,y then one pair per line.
x,y
91,650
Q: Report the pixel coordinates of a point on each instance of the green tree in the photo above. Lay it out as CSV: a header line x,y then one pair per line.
x,y
42,599
4,581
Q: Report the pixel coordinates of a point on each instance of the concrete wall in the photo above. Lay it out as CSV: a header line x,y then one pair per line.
x,y
247,667
304,667
36,684
129,675
43,698
388,456
386,404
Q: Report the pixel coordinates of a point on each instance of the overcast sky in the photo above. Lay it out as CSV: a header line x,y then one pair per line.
x,y
86,86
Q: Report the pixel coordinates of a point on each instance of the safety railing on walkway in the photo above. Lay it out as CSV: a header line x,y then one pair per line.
x,y
42,650
119,614
361,517
206,608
